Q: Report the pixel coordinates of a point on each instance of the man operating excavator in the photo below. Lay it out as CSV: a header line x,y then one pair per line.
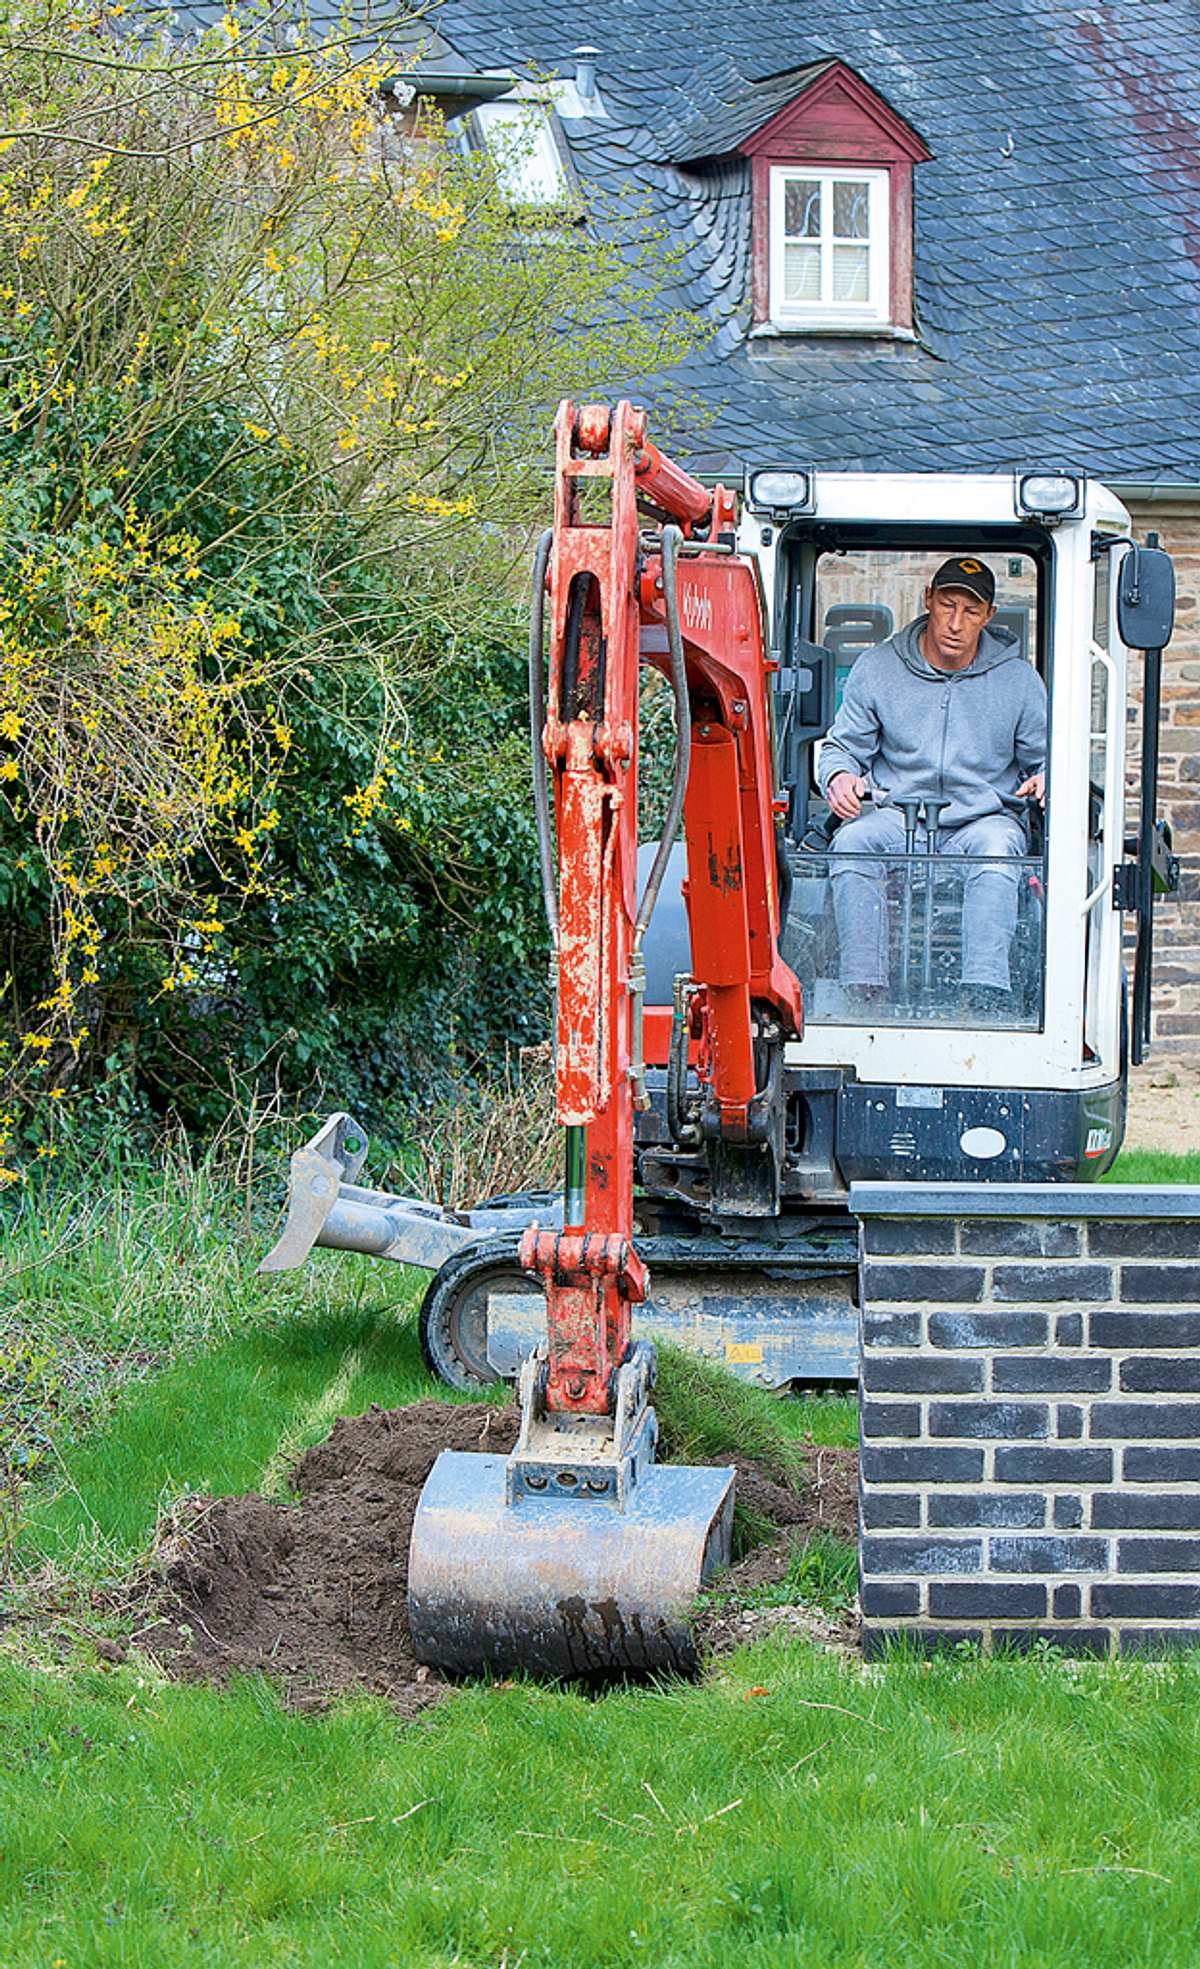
x,y
942,729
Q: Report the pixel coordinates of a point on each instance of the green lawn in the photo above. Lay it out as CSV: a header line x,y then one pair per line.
x,y
1153,1166
787,1811
791,1809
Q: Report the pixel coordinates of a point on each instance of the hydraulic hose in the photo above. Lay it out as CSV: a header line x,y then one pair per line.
x,y
537,719
671,539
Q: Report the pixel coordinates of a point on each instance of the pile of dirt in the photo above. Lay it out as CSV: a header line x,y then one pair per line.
x,y
313,1594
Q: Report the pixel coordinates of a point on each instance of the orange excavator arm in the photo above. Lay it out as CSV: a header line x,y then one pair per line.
x,y
615,587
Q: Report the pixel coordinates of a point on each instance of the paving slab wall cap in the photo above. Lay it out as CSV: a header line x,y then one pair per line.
x,y
1066,1200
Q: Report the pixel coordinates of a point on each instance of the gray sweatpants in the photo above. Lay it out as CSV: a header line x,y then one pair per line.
x,y
989,909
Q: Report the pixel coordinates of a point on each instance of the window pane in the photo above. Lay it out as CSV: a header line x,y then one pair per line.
x,y
911,924
523,152
851,210
802,208
801,274
850,273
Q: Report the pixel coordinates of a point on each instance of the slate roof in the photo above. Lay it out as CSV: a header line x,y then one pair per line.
x,y
1057,234
1057,227
745,107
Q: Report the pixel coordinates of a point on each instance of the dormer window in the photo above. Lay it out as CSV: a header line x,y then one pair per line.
x,y
831,171
829,262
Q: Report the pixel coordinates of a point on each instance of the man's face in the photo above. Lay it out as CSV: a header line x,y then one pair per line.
x,y
957,619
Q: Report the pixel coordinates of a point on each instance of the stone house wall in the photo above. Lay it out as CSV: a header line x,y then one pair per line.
x,y
1177,924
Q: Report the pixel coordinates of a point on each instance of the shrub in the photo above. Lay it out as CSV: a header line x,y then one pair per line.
x,y
267,386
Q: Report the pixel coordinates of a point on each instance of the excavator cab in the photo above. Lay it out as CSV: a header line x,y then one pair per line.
x,y
926,1073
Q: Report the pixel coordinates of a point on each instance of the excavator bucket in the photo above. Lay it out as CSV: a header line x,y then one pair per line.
x,y
574,1557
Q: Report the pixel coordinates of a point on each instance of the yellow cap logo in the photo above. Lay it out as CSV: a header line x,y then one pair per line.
x,y
971,567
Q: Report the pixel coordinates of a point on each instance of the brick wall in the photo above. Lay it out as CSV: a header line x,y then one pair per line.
x,y
1030,1415
1177,923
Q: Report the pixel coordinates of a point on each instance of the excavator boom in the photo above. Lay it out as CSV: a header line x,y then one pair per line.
x,y
581,1554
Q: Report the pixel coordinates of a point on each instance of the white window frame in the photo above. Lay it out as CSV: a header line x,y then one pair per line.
x,y
876,310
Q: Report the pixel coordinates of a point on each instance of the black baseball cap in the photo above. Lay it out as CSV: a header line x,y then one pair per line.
x,y
966,572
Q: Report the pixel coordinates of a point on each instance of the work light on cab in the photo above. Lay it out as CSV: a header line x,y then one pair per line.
x,y
1051,495
781,493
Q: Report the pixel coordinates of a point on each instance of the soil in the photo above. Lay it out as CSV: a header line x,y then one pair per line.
x,y
1164,1106
313,1593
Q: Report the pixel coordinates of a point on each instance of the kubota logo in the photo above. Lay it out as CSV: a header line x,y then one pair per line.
x,y
697,609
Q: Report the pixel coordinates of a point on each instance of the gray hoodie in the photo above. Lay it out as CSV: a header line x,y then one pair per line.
x,y
968,736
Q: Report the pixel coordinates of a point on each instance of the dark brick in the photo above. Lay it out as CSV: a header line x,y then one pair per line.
x,y
1068,1330
1067,1602
1161,1466
921,1555
1044,1284
1068,1640
1012,1510
1049,1374
1049,1554
990,1419
1068,1421
1139,1510
1157,1640
952,1284
1130,1332
1158,1555
894,1511
1161,1285
924,1463
918,1235
988,1329
1118,1238
987,1599
1068,1513
1017,1237
920,1374
879,1642
1143,1602
1052,1465
1153,1374
891,1419
891,1329
1141,1419
889,1599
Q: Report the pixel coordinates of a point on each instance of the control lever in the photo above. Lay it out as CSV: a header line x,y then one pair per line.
x,y
931,815
911,810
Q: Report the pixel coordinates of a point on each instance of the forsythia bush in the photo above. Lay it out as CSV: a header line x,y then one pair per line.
x,y
275,383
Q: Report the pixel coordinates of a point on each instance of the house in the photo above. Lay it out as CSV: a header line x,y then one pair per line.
x,y
929,234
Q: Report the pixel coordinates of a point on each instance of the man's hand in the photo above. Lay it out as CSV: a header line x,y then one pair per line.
x,y
845,795
1035,788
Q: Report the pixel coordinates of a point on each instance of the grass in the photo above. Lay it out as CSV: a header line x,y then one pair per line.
x,y
791,1809
1153,1166
788,1811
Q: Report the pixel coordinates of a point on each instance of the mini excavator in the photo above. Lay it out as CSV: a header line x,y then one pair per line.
x,y
702,1141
